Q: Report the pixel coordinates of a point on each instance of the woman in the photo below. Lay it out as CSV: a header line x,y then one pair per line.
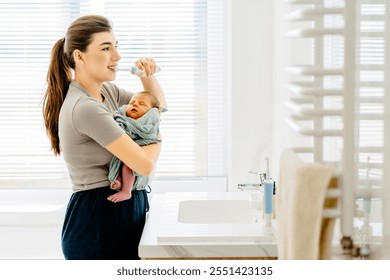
x,y
78,112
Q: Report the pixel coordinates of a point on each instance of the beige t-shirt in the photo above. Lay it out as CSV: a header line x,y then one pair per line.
x,y
86,126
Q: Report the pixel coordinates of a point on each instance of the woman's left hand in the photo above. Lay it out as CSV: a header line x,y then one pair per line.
x,y
148,65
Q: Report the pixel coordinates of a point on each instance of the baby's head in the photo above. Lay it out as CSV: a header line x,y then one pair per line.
x,y
140,103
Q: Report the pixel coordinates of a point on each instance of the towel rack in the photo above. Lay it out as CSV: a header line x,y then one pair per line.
x,y
335,91
307,91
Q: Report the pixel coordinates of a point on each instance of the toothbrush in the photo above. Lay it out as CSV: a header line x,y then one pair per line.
x,y
135,70
366,228
367,201
267,175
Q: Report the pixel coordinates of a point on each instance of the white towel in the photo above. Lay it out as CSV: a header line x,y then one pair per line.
x,y
300,201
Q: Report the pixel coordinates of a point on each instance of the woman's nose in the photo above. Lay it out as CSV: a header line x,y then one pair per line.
x,y
117,56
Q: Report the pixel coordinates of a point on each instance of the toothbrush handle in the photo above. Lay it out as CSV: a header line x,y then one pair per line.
x,y
135,70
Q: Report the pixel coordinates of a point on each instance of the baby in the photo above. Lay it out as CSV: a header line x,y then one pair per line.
x,y
140,119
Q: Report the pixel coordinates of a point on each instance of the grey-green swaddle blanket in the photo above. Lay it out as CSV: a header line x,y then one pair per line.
x,y
143,131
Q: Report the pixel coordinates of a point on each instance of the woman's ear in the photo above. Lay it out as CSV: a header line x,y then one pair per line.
x,y
78,56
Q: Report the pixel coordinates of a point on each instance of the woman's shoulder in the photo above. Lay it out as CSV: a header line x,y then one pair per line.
x,y
119,95
109,87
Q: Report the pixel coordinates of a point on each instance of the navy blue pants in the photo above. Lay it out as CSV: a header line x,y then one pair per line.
x,y
97,229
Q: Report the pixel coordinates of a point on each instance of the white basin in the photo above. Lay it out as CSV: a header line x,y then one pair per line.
x,y
209,217
215,212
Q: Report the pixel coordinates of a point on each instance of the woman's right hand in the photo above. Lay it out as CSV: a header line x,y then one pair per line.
x,y
140,159
148,65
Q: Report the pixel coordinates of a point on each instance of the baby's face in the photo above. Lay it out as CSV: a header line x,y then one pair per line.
x,y
138,106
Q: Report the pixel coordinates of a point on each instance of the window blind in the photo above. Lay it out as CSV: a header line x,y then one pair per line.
x,y
186,38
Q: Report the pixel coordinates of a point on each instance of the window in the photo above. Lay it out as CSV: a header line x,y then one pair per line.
x,y
186,38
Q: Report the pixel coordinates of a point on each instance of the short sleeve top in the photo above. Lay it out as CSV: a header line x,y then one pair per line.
x,y
86,127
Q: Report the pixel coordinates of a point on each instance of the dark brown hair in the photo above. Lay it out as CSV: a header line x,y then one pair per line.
x,y
153,98
59,75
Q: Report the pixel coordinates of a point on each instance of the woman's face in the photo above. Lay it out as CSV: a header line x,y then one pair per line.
x,y
101,58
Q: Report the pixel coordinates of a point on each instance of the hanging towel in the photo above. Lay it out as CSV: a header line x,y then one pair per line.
x,y
300,202
143,131
328,224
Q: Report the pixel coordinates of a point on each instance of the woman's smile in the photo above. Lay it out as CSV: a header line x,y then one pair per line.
x,y
113,68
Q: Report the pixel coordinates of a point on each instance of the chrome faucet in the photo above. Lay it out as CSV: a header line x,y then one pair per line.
x,y
262,175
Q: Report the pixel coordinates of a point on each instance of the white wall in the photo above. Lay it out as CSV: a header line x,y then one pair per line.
x,y
283,135
252,50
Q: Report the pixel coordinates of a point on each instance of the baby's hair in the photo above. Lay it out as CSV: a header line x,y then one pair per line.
x,y
155,102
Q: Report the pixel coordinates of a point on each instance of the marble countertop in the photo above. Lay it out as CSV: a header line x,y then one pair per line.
x,y
150,247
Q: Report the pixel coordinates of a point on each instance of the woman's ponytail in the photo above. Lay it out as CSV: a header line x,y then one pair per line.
x,y
59,77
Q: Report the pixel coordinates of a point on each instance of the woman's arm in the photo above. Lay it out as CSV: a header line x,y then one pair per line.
x,y
141,159
153,86
149,81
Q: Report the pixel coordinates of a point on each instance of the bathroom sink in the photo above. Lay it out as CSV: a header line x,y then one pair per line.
x,y
215,212
209,217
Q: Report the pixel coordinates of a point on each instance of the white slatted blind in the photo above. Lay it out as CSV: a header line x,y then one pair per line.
x,y
186,38
27,34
